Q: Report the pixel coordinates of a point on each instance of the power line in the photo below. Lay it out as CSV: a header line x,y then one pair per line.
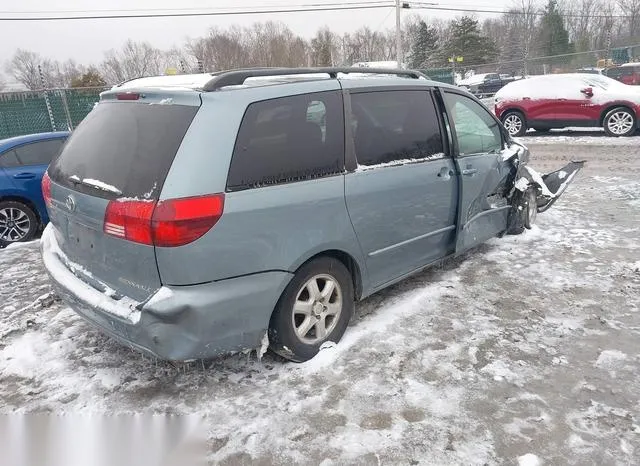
x,y
197,9
341,7
425,6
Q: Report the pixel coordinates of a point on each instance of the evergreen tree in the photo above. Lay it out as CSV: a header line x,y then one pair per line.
x,y
424,44
553,38
466,40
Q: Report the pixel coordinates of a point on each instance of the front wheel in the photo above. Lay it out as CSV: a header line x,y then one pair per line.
x,y
315,308
18,222
620,122
514,123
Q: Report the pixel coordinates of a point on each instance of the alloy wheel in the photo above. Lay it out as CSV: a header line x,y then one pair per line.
x,y
513,124
317,309
620,123
14,224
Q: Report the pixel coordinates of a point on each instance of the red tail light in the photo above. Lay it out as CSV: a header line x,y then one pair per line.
x,y
168,223
128,96
130,220
46,189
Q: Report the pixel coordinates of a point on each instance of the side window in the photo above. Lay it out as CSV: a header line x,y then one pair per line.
x,y
289,139
39,153
477,131
394,126
9,160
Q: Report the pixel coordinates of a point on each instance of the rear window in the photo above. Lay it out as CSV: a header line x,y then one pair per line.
x,y
125,149
289,139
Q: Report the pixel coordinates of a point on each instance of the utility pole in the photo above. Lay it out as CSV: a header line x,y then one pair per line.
x,y
398,35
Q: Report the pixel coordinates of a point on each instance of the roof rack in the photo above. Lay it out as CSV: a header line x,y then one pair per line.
x,y
238,77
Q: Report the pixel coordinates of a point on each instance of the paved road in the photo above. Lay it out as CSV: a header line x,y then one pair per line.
x,y
527,345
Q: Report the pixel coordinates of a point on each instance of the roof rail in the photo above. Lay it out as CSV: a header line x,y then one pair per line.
x,y
238,77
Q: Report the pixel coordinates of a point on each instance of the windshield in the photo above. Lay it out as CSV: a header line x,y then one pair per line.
x,y
602,82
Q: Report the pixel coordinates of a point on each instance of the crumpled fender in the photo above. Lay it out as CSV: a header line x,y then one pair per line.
x,y
549,187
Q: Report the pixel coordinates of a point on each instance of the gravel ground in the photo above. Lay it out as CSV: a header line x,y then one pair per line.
x,y
523,350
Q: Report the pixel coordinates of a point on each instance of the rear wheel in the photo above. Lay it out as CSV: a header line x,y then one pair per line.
x,y
515,123
531,208
314,308
620,122
18,222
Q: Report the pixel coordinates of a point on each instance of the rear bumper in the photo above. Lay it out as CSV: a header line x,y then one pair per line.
x,y
177,323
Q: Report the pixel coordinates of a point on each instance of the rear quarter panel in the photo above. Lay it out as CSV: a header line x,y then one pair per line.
x,y
274,228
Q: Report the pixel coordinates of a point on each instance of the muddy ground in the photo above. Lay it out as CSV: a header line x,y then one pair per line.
x,y
528,345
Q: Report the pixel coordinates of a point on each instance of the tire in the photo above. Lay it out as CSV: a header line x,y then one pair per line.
x,y
18,222
296,329
619,122
530,212
515,123
524,212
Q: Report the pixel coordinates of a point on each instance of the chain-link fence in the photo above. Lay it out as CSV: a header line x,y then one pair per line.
x,y
41,111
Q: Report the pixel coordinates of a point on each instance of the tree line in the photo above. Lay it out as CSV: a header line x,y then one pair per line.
x,y
523,40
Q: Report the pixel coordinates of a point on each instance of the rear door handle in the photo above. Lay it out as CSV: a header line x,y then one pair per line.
x,y
24,176
469,171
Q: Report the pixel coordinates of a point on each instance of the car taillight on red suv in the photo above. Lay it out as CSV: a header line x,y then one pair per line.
x,y
46,189
166,223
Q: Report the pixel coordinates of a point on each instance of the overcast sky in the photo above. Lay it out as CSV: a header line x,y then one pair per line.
x,y
86,41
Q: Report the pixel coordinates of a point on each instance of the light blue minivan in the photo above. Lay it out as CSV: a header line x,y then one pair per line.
x,y
193,216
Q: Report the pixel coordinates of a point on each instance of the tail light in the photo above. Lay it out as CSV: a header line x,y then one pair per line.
x,y
46,189
167,223
127,96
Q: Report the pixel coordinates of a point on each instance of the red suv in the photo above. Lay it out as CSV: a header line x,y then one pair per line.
x,y
566,100
627,74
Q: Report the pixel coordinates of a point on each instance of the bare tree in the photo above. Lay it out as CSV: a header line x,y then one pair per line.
x,y
324,48
221,49
134,60
631,8
24,68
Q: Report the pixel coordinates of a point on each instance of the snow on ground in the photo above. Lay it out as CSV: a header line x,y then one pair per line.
x,y
523,351
579,137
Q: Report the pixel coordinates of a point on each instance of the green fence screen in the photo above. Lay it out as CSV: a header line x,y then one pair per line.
x,y
41,111
443,75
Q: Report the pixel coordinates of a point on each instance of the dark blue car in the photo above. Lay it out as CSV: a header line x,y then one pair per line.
x,y
23,161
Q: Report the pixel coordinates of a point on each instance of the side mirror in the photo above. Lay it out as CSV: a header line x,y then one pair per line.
x,y
588,91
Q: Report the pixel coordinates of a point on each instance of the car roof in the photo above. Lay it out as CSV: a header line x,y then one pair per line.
x,y
229,80
6,144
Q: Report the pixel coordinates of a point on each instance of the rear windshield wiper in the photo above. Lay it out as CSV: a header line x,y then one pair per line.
x,y
95,184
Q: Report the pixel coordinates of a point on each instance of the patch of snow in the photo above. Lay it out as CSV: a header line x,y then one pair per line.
x,y
610,359
264,345
500,371
537,178
162,294
395,163
101,185
511,151
522,184
562,174
53,259
529,460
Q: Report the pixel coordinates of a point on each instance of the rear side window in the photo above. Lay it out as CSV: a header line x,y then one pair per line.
x,y
9,160
39,153
392,126
126,147
289,139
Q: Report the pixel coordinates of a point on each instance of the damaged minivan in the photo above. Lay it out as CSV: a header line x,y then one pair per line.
x,y
194,216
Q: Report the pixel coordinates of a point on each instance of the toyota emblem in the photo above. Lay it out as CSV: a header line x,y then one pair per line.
x,y
70,203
